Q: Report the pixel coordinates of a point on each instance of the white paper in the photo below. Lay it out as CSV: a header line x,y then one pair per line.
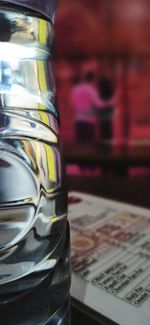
x,y
110,249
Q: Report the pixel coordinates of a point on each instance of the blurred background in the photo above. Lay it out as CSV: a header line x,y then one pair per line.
x,y
102,70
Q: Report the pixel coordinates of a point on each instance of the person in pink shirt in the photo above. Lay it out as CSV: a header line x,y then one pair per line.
x,y
84,99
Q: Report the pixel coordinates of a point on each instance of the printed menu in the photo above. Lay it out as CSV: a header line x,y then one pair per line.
x,y
110,253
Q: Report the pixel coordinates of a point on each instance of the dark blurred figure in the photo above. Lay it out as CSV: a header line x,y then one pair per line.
x,y
106,89
5,28
5,80
84,99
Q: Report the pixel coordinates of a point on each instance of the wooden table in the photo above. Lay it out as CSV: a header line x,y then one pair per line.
x,y
116,159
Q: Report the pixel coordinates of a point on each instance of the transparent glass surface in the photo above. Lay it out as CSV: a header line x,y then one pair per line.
x,y
33,218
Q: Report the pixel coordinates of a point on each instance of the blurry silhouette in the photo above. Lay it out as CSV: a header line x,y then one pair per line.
x,y
106,108
5,28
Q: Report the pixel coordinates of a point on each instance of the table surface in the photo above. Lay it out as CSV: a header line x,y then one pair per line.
x,y
133,190
106,155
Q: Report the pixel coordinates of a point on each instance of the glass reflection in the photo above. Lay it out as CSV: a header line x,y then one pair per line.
x,y
30,164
